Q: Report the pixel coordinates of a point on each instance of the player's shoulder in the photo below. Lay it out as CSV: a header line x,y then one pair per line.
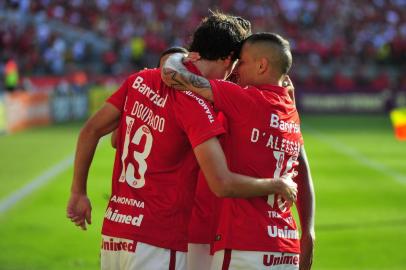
x,y
268,91
224,84
145,73
188,96
146,78
189,101
252,89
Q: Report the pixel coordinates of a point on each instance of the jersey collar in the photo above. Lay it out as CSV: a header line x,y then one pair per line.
x,y
274,88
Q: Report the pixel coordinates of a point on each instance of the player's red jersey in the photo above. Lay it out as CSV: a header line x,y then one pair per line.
x,y
206,208
203,222
263,140
155,170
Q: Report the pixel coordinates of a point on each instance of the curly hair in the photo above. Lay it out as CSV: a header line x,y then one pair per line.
x,y
220,35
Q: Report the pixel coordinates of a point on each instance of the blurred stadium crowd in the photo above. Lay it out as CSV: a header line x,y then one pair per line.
x,y
339,45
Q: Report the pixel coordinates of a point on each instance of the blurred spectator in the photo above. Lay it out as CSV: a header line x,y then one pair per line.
x,y
11,77
79,82
341,44
63,88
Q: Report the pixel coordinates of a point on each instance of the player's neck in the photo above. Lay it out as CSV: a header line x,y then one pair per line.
x,y
269,79
210,69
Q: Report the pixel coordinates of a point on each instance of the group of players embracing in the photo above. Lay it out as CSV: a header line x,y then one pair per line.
x,y
209,159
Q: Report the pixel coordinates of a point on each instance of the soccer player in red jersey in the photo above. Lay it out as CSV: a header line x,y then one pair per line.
x,y
161,132
206,205
263,139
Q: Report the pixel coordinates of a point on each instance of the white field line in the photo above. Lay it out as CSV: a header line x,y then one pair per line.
x,y
34,184
357,156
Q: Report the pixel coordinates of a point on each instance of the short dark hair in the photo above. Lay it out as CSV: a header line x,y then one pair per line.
x,y
284,55
171,50
219,35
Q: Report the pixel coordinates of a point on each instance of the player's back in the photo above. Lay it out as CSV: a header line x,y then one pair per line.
x,y
267,132
263,140
155,169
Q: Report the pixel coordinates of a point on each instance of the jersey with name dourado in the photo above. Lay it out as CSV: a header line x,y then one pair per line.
x,y
155,169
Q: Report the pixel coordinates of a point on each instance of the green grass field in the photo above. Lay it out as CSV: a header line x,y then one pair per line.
x,y
359,173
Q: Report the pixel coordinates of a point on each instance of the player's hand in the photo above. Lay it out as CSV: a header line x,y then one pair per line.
x,y
79,210
288,188
306,251
288,84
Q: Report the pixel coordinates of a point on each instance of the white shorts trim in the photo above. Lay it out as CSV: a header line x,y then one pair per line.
x,y
254,260
124,254
198,257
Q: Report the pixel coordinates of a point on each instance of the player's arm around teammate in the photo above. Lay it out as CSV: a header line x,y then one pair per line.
x,y
174,74
209,155
225,183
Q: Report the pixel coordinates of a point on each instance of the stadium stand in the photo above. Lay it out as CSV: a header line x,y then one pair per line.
x,y
338,45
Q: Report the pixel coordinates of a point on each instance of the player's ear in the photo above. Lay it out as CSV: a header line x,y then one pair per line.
x,y
262,65
227,61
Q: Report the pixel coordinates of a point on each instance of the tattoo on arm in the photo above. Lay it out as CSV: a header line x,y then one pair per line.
x,y
172,79
177,76
197,84
197,81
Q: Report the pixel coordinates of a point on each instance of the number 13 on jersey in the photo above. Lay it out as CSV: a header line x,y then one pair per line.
x,y
128,172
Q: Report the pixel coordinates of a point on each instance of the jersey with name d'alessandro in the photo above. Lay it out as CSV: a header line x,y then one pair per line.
x,y
155,170
263,140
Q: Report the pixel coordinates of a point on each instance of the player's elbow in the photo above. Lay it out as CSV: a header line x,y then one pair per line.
x,y
89,131
222,186
222,192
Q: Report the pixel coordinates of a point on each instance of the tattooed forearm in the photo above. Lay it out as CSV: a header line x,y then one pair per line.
x,y
198,81
175,74
173,79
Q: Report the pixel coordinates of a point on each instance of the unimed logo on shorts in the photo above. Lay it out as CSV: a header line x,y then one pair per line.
x,y
118,245
270,259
